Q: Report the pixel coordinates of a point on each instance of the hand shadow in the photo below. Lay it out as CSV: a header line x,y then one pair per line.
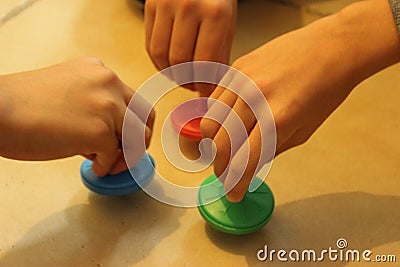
x,y
93,234
364,220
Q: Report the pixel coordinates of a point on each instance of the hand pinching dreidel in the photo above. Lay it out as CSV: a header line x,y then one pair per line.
x,y
244,217
120,184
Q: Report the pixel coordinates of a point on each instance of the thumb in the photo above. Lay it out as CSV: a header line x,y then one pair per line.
x,y
103,162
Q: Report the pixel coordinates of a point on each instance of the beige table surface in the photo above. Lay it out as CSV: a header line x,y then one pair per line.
x,y
343,183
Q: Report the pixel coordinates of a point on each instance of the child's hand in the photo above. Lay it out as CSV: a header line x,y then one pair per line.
x,y
180,31
73,108
305,75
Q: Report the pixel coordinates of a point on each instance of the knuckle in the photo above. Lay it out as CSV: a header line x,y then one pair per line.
x,y
165,5
99,75
106,76
150,5
207,128
189,6
178,57
218,10
157,53
100,130
239,63
108,104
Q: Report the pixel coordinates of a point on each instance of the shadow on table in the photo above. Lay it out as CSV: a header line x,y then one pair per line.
x,y
106,231
366,221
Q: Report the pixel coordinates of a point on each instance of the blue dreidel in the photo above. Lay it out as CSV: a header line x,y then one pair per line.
x,y
122,183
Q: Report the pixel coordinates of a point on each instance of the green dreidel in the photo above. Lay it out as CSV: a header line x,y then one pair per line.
x,y
244,217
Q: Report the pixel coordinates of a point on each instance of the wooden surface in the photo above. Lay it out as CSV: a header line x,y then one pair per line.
x,y
343,183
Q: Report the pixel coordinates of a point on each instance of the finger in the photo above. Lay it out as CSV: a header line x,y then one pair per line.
x,y
208,76
104,160
107,149
132,122
217,92
248,157
183,41
245,113
233,138
212,34
119,164
149,17
209,47
217,114
119,120
127,93
160,38
219,104
224,78
226,52
240,116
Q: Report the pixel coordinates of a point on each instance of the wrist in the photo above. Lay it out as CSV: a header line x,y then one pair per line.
x,y
364,37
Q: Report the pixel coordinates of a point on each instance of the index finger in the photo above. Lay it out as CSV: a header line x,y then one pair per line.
x,y
236,181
